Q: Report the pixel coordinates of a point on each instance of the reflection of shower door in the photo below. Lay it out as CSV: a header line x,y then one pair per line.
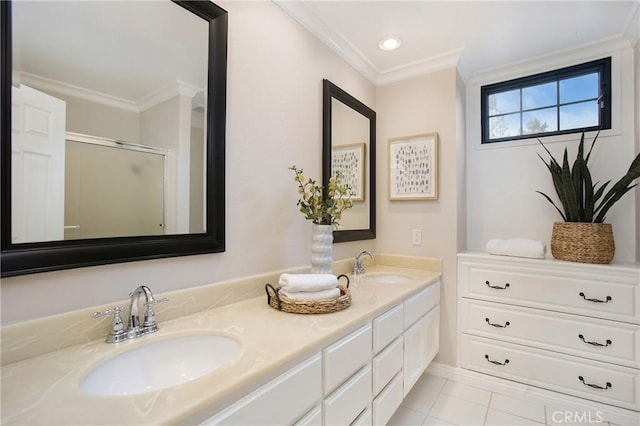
x,y
113,191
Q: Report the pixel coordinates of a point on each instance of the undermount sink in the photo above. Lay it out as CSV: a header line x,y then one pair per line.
x,y
161,365
387,278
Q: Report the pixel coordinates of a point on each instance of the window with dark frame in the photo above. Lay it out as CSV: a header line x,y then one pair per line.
x,y
562,101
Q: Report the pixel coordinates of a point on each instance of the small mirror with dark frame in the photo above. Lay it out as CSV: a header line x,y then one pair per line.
x,y
349,145
39,254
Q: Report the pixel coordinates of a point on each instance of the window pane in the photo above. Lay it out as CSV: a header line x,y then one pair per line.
x,y
579,88
504,126
540,121
577,116
540,96
502,103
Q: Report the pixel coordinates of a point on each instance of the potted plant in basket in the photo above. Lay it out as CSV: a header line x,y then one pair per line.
x,y
324,209
583,236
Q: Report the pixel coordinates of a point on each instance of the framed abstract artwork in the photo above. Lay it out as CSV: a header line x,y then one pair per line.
x,y
413,167
349,161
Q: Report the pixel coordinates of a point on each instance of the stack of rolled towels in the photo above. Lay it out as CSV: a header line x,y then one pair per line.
x,y
309,286
518,247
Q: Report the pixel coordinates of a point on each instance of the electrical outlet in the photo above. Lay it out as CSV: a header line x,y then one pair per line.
x,y
416,237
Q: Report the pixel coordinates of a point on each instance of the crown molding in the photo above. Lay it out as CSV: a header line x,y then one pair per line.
x,y
164,93
167,92
551,60
44,83
449,59
303,15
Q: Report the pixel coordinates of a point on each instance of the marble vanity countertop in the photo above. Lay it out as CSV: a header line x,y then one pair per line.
x,y
45,389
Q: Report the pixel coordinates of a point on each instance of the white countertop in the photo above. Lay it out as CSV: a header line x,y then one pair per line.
x,y
45,389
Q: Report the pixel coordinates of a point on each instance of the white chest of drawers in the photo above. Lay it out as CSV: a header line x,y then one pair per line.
x,y
567,327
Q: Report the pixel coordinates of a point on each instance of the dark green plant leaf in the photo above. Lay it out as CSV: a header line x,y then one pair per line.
x,y
553,204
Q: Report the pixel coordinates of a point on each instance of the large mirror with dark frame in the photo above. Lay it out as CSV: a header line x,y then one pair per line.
x,y
349,147
113,132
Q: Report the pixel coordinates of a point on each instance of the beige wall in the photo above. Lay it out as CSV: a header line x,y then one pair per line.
x,y
274,120
92,118
419,105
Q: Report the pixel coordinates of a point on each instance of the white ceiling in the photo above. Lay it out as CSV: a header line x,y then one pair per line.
x,y
481,34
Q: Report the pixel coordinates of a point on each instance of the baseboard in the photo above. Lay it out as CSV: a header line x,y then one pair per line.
x,y
616,415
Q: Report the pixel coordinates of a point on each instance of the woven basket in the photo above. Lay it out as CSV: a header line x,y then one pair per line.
x,y
324,306
582,242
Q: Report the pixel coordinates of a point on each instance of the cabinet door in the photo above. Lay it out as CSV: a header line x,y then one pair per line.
x,y
281,401
415,353
432,324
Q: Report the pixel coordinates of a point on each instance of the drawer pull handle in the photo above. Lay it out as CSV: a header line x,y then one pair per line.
x,y
506,361
595,343
497,287
595,300
591,385
495,324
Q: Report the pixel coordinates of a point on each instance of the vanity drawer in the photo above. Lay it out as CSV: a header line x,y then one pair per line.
x,y
554,371
388,401
264,406
607,296
386,365
346,356
419,304
387,327
349,400
594,338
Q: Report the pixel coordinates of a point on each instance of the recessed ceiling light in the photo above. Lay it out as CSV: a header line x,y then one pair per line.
x,y
389,43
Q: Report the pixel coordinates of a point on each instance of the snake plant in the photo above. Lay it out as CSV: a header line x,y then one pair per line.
x,y
581,199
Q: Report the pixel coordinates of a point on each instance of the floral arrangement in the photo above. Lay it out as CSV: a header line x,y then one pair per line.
x,y
319,210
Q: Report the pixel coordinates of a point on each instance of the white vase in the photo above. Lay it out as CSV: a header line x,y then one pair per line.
x,y
321,249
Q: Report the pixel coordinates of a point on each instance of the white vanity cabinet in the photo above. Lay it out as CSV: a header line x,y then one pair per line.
x,y
358,379
567,327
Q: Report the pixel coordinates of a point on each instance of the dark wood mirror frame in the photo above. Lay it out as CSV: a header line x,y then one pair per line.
x,y
27,258
331,91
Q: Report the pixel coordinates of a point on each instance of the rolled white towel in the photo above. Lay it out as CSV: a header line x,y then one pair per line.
x,y
294,283
331,293
517,247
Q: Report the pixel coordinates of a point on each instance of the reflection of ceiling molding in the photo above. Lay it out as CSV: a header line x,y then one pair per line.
x,y
167,92
164,93
44,83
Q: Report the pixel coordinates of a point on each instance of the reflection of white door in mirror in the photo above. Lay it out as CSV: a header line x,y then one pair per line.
x,y
38,159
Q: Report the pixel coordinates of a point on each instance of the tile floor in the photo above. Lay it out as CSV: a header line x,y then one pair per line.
x,y
437,401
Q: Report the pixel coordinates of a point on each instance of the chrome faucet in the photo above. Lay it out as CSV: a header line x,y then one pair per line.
x,y
134,329
358,263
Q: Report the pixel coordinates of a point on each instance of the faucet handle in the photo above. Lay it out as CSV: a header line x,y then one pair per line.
x,y
149,324
117,333
113,311
156,301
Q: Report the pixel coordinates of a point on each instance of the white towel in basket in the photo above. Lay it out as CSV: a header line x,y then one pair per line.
x,y
517,247
294,283
331,293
